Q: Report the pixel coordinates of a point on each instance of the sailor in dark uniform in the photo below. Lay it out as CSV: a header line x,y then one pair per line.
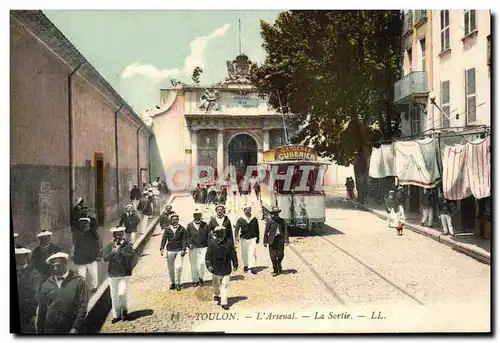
x,y
276,235
63,299
221,219
41,253
247,229
27,287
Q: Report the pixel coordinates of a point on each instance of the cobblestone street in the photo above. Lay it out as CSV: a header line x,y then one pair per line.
x,y
355,271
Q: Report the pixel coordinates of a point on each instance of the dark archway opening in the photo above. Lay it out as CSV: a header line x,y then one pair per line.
x,y
242,151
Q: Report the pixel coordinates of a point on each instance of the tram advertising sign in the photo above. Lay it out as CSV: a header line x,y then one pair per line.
x,y
295,152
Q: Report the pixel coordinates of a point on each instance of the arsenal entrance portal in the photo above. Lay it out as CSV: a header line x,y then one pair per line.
x,y
242,153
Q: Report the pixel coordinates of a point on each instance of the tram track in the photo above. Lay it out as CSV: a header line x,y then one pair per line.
x,y
344,299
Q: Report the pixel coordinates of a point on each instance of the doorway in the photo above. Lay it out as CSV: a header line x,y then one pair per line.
x,y
99,187
242,153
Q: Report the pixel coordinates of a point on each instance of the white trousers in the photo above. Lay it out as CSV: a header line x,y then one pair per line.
x,y
221,287
428,216
92,268
174,265
135,203
249,252
197,262
446,222
118,288
130,237
144,223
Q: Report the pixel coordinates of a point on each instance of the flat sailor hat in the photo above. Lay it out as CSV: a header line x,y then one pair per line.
x,y
57,255
145,192
219,228
173,215
22,251
117,229
84,219
129,206
16,234
220,205
79,200
247,206
197,211
44,233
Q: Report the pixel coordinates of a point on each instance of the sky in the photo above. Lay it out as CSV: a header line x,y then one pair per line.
x,y
139,52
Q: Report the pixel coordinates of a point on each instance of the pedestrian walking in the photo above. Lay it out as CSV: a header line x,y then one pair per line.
x,y
428,208
45,249
349,185
121,257
276,235
135,195
130,220
256,188
397,219
197,241
247,229
145,209
79,211
88,249
445,213
221,219
220,255
164,220
63,299
28,282
174,238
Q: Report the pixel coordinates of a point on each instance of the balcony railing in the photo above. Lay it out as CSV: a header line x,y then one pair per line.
x,y
420,15
415,83
408,22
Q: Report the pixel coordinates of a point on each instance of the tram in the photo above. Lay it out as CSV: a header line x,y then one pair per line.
x,y
301,198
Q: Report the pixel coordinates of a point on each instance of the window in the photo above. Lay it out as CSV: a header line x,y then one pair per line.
x,y
422,50
469,21
470,95
445,30
410,60
415,119
445,103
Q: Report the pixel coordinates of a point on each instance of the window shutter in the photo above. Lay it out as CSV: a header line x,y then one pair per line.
x,y
466,22
472,16
471,110
446,121
471,81
447,38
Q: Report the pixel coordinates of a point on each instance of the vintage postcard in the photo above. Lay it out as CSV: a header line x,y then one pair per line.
x,y
288,171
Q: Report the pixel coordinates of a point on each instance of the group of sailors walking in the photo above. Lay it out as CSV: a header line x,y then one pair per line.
x,y
53,298
212,246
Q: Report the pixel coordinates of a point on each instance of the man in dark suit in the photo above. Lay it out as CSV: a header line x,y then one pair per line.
x,y
197,241
221,219
276,235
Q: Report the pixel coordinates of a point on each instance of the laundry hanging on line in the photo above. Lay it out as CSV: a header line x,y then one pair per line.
x,y
382,162
467,170
416,163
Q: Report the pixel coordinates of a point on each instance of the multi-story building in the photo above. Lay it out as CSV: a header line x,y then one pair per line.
x,y
461,72
445,84
411,92
446,60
